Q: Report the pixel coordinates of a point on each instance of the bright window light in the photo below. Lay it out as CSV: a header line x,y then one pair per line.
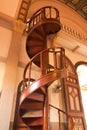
x,y
82,75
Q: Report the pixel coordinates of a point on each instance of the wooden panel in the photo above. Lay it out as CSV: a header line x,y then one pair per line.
x,y
73,96
74,99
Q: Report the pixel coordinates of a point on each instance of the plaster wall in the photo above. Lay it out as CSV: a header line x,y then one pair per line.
x,y
9,7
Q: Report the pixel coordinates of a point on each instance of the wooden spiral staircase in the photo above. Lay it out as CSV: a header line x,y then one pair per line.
x,y
44,22
33,106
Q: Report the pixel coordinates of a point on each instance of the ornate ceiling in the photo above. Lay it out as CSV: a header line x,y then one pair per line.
x,y
80,6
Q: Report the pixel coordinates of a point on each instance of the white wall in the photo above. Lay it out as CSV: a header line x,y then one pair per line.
x,y
5,39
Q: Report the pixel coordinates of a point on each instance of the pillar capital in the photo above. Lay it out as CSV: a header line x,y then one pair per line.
x,y
19,26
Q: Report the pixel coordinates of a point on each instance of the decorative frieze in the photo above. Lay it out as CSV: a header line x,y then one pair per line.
x,y
23,11
74,33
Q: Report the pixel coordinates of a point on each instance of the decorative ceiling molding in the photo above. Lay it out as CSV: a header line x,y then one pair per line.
x,y
80,6
23,11
74,33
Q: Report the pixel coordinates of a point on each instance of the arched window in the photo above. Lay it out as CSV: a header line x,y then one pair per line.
x,y
81,68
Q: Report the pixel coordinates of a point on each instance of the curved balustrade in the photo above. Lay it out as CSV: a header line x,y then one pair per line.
x,y
42,15
33,110
68,117
52,62
59,111
53,52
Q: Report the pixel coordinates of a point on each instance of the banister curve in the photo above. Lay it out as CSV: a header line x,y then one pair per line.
x,y
41,15
44,80
57,50
67,115
41,9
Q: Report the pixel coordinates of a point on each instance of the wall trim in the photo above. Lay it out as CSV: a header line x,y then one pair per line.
x,y
6,21
20,63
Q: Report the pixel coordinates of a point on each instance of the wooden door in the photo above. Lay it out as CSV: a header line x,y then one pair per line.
x,y
73,96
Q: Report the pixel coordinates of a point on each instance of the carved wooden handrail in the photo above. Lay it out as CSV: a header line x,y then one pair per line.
x,y
43,14
55,52
69,118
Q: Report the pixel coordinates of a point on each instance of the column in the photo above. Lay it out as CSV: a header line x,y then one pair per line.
x,y
9,80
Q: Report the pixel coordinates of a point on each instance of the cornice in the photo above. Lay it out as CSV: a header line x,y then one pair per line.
x,y
74,33
6,21
20,63
11,24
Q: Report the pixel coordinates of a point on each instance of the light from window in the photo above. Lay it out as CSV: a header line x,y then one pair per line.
x,y
82,75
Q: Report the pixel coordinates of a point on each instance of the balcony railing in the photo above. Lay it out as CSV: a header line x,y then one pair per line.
x,y
42,15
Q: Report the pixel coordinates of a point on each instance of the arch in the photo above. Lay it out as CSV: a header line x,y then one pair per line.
x,y
80,63
81,68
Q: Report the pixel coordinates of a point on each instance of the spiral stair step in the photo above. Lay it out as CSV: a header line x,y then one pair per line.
x,y
32,105
36,96
34,50
38,34
34,42
32,114
32,109
34,121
